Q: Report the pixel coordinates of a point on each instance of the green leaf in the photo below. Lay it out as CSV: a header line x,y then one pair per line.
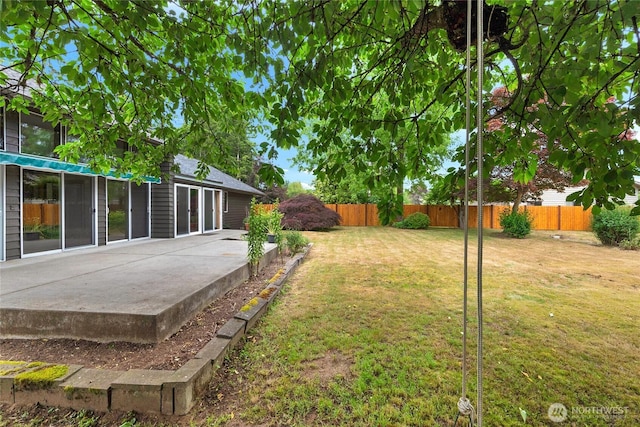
x,y
611,176
523,414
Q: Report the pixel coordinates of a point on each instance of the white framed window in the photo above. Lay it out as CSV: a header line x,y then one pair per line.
x,y
38,137
226,202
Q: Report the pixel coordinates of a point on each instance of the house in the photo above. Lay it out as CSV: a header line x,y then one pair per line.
x,y
218,201
47,205
559,198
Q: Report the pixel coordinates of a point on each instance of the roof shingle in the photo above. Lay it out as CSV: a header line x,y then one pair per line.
x,y
215,177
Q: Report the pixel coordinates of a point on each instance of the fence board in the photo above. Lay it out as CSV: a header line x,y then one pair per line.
x,y
410,209
443,216
575,218
372,215
31,214
40,214
495,214
572,218
544,217
354,215
50,214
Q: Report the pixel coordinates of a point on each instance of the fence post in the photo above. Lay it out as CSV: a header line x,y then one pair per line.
x,y
366,214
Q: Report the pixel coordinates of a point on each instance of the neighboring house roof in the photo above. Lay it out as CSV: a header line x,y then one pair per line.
x,y
13,86
215,177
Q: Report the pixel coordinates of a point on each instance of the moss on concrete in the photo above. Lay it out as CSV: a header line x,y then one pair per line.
x,y
266,293
252,302
276,276
10,367
42,376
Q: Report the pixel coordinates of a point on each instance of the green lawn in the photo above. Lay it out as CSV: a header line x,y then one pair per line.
x,y
369,333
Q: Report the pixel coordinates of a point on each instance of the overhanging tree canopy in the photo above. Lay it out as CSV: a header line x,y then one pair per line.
x,y
341,55
137,65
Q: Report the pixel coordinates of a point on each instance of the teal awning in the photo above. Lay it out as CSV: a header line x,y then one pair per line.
x,y
58,166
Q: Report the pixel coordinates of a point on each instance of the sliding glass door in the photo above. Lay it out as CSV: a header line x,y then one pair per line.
x,y
117,210
217,202
194,210
79,211
182,210
128,210
208,210
139,210
40,212
188,208
211,209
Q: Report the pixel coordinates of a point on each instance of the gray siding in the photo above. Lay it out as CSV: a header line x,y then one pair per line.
x,y
162,212
102,211
13,212
238,210
12,132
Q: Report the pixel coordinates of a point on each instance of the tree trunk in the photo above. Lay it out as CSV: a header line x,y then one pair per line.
x,y
400,190
516,203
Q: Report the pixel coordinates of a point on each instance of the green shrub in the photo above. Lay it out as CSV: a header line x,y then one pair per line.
x,y
631,245
295,241
415,221
612,227
50,232
516,224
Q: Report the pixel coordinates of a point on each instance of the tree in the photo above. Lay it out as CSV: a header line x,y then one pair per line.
x,y
222,143
349,189
417,193
135,64
342,56
377,168
294,189
529,175
111,70
272,191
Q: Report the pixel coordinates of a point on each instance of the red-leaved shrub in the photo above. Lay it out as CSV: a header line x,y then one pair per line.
x,y
307,212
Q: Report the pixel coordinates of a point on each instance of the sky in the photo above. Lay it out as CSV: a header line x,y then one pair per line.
x,y
292,173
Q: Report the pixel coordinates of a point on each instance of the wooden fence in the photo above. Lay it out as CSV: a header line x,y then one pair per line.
x,y
40,214
564,218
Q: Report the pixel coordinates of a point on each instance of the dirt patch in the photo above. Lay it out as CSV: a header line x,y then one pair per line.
x,y
169,354
331,365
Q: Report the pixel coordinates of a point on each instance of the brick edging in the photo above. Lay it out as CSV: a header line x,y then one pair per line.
x,y
141,390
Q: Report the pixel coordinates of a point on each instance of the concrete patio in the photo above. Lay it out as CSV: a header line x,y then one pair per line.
x,y
141,291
